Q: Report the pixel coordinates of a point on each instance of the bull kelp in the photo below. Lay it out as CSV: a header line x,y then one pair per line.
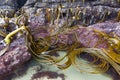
x,y
105,51
88,49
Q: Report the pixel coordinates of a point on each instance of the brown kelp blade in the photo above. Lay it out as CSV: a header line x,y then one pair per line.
x,y
2,52
84,66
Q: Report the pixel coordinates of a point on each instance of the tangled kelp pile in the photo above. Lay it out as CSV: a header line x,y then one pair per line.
x,y
104,48
47,31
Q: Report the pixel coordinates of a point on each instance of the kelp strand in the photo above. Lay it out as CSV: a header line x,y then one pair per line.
x,y
2,52
73,50
41,51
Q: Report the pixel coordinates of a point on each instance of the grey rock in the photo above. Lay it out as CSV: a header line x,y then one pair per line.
x,y
8,7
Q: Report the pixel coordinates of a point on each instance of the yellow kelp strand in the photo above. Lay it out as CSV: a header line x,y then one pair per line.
x,y
3,34
2,52
9,36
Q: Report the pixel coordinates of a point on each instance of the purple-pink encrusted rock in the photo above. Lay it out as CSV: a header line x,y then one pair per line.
x,y
15,57
108,27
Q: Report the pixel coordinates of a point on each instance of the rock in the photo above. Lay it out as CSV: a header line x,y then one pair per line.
x,y
15,57
8,7
108,27
46,75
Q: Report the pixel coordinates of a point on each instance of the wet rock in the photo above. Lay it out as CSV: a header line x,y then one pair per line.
x,y
15,57
48,75
109,27
12,3
90,12
111,3
8,7
7,11
38,19
31,6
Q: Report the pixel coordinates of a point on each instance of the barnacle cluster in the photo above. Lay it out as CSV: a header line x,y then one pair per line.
x,y
44,48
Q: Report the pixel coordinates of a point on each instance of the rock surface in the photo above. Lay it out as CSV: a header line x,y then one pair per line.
x,y
91,12
15,57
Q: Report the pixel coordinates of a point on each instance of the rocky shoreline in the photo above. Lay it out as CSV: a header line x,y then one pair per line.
x,y
89,13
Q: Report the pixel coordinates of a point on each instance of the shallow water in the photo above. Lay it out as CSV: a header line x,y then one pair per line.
x,y
71,73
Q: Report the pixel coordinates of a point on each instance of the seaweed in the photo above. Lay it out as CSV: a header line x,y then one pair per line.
x,y
43,48
41,51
